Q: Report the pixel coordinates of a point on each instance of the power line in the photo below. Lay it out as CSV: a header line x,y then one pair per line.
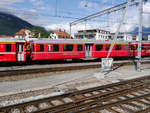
x,y
103,12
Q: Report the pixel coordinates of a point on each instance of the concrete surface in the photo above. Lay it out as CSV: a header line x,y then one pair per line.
x,y
38,66
74,77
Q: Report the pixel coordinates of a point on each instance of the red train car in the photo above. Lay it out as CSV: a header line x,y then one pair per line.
x,y
12,49
44,49
57,49
20,50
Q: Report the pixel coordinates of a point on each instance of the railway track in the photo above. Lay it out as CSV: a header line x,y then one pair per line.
x,y
123,97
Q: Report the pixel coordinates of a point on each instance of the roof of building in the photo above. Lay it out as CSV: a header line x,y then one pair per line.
x,y
4,36
23,32
62,34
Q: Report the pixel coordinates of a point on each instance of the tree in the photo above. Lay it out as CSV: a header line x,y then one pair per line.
x,y
39,32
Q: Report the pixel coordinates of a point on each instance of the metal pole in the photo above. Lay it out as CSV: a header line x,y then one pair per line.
x,y
70,30
140,34
118,28
56,10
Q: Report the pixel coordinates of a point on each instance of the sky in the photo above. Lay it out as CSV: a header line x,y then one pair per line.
x,y
57,14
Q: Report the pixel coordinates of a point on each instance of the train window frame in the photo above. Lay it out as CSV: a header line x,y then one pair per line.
x,y
99,49
78,47
55,47
67,48
108,47
118,47
41,47
8,47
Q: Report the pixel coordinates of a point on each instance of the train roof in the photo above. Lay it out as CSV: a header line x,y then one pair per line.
x,y
87,41
74,41
143,42
11,40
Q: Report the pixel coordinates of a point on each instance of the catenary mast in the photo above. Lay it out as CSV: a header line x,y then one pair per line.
x,y
140,34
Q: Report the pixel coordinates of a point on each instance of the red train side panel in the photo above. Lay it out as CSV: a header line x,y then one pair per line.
x,y
57,51
12,50
73,49
43,49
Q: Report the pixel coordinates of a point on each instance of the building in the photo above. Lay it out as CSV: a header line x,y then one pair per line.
x,y
97,34
124,37
23,33
148,37
59,34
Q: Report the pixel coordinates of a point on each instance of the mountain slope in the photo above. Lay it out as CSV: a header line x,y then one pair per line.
x,y
10,24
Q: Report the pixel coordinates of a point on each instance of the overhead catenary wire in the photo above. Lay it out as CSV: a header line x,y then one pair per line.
x,y
104,12
118,28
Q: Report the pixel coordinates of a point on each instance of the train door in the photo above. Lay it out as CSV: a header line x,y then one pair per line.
x,y
88,50
20,52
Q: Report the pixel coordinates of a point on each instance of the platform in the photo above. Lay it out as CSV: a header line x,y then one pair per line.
x,y
118,74
74,79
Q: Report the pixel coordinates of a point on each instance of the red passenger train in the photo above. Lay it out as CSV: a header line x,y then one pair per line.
x,y
20,50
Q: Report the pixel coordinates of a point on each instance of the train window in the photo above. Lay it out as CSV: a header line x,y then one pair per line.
x,y
144,46
68,47
49,47
55,47
1,47
80,48
33,47
99,47
41,47
8,47
126,47
20,47
107,47
118,47
133,47
28,47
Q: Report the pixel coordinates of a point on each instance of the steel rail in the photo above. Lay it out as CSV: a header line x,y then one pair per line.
x,y
144,110
97,99
101,107
74,95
